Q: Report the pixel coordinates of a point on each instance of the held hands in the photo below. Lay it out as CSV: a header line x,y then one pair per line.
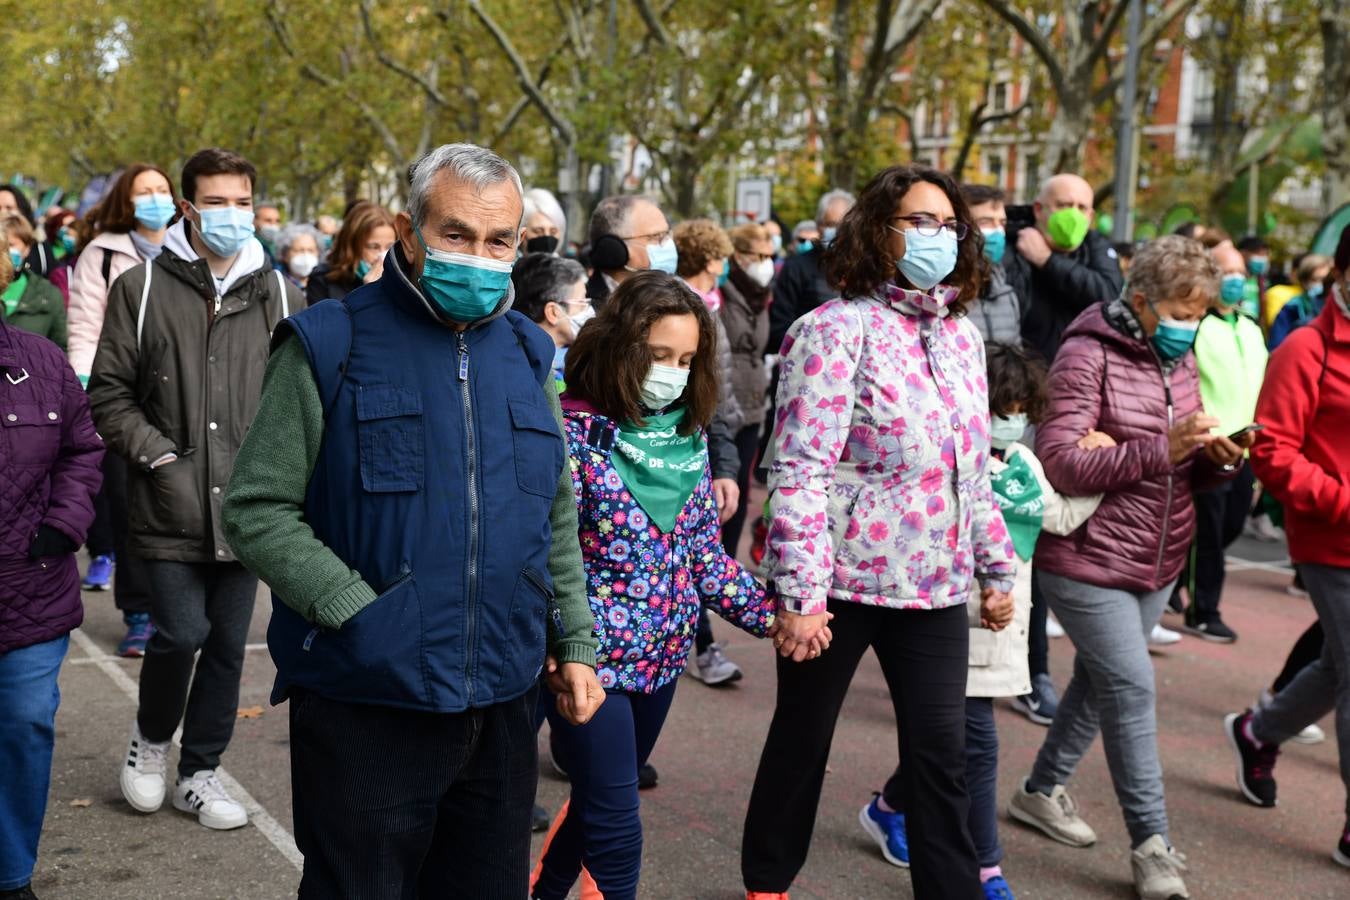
x,y
1033,247
1096,440
579,693
1224,451
728,495
996,609
1190,433
798,637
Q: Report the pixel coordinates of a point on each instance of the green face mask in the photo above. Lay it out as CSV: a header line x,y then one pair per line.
x,y
1068,228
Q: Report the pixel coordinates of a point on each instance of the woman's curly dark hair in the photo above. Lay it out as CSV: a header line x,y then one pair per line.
x,y
859,261
609,360
1016,378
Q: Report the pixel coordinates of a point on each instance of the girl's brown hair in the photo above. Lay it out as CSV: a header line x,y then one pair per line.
x,y
116,213
1016,378
363,218
859,261
609,359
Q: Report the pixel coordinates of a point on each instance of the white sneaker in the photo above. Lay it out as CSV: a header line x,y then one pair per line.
x,y
204,795
142,777
1056,815
1310,735
1157,869
713,668
1262,529
1162,637
1052,627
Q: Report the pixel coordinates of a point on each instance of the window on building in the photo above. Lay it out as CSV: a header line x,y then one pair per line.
x,y
993,165
1000,98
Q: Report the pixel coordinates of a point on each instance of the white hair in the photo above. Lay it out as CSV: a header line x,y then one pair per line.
x,y
476,165
288,235
540,200
829,198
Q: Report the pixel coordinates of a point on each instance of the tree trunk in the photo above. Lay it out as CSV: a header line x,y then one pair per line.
x,y
1335,16
1067,135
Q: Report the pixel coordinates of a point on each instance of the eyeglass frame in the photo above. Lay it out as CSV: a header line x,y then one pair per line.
x,y
920,223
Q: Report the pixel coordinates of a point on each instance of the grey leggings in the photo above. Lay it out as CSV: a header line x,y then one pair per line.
x,y
1112,690
1324,684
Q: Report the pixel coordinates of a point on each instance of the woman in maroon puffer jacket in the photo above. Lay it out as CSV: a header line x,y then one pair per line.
x,y
1125,369
50,455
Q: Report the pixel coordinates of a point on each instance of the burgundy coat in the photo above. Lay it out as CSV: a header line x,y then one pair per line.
x,y
1106,380
49,457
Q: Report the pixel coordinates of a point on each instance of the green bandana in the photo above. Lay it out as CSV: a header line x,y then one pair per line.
x,y
13,294
1019,497
660,466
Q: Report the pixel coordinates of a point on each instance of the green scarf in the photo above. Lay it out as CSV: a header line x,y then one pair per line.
x,y
1020,499
14,293
660,466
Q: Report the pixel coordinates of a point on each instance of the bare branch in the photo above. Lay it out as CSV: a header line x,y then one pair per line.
x,y
901,112
566,132
1102,43
906,23
1156,26
654,27
1039,45
428,86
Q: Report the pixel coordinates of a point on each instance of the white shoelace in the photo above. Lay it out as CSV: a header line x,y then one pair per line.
x,y
150,757
209,789
1164,862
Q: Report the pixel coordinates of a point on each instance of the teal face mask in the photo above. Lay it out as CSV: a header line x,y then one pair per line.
x,y
995,244
725,274
804,246
16,259
1232,289
462,286
1173,338
1258,265
363,268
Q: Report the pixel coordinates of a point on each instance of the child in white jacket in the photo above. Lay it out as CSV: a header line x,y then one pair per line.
x,y
998,657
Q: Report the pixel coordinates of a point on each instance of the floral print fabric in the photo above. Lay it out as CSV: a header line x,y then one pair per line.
x,y
879,485
645,584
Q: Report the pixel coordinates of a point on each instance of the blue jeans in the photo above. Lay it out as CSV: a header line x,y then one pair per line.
x,y
603,828
29,696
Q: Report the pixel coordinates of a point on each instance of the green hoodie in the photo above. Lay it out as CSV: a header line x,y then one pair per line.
x,y
1230,351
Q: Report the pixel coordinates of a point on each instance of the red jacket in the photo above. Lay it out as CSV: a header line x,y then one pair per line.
x,y
1302,456
1106,380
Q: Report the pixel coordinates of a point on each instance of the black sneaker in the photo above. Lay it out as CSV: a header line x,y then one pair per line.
x,y
540,820
646,777
19,893
1255,762
1342,854
1211,630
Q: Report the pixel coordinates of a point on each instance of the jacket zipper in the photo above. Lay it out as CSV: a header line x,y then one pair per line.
x,y
472,465
1171,476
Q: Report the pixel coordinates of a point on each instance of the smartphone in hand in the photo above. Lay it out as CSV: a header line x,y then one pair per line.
x,y
1250,429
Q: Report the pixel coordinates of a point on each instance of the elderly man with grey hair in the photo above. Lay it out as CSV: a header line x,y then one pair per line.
x,y
628,233
801,285
403,490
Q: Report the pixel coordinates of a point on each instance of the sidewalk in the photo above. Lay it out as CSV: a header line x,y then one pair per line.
x,y
707,758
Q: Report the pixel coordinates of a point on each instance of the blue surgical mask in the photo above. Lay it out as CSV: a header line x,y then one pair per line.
x,y
68,241
1004,431
225,229
1314,291
927,260
362,269
462,286
777,241
16,260
725,273
804,246
1232,289
1174,338
154,210
1258,265
827,235
995,243
663,257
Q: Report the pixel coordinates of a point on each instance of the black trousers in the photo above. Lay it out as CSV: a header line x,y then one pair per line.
x,y
747,443
923,654
392,803
1038,644
1219,517
1306,650
108,534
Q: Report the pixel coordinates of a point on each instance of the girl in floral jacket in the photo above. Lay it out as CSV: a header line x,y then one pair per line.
x,y
883,514
642,384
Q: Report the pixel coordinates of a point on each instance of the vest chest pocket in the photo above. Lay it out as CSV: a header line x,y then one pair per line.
x,y
33,430
538,447
392,439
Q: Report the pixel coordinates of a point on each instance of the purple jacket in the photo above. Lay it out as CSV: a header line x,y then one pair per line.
x,y
1107,379
50,456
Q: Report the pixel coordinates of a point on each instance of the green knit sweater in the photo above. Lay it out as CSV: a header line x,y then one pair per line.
x,y
265,525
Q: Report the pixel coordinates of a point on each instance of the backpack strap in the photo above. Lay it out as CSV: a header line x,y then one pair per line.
x,y
285,301
600,435
107,267
145,303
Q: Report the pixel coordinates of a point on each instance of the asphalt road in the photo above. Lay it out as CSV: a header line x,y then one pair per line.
x,y
95,846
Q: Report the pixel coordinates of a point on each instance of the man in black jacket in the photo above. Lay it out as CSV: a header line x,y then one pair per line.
x,y
1061,266
801,286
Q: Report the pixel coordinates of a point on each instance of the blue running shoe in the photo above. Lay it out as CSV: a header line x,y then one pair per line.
x,y
888,830
99,576
139,632
996,888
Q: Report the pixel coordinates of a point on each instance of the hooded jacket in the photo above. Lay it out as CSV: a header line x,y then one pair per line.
x,y
1107,378
999,312
178,371
50,455
747,330
100,265
41,310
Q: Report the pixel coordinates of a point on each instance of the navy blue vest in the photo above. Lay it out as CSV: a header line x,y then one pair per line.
x,y
439,464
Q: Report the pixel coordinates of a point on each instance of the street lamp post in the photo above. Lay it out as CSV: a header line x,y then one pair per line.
x,y
1126,157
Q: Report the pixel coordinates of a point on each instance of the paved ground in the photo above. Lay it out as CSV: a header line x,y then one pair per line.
x,y
96,847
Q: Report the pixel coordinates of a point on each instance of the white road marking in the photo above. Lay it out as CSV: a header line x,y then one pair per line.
x,y
93,661
1237,564
258,817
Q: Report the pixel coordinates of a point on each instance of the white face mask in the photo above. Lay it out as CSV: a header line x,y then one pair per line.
x,y
580,319
1004,431
761,272
663,386
301,264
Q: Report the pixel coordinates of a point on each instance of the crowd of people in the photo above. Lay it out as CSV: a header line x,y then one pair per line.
x,y
494,478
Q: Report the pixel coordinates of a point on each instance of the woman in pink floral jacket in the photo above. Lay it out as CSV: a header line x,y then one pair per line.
x,y
882,515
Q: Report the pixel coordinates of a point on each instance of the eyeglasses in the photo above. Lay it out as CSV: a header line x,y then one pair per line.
x,y
930,227
656,237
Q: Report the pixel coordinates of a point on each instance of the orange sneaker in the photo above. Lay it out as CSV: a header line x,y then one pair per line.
x,y
761,895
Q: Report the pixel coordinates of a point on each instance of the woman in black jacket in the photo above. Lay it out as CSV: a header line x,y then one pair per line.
x,y
357,256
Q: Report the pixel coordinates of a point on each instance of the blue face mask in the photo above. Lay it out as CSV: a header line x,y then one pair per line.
x,y
362,269
927,260
726,272
777,241
68,241
663,257
1232,289
154,210
1174,338
995,243
804,246
1258,265
225,229
827,235
1004,431
1314,291
462,286
16,260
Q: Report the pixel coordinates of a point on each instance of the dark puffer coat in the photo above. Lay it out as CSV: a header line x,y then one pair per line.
x,y
1106,380
50,456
